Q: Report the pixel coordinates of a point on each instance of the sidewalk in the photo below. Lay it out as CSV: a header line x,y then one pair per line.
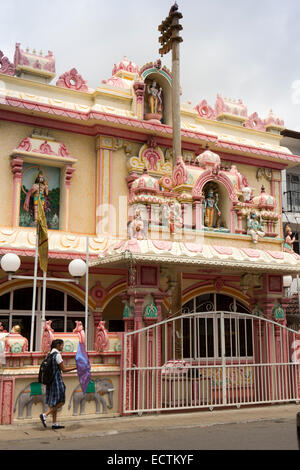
x,y
102,425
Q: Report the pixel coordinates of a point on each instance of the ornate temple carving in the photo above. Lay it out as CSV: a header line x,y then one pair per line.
x,y
72,80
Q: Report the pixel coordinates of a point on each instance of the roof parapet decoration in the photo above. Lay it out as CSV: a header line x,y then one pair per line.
x,y
227,109
72,80
34,64
254,122
6,67
273,121
125,65
204,110
123,74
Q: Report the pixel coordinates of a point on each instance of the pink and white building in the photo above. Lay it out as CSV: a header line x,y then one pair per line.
x,y
187,261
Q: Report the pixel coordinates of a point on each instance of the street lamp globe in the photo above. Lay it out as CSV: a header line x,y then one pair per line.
x,y
10,263
77,268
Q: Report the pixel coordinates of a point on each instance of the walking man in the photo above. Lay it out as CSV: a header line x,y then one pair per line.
x,y
55,392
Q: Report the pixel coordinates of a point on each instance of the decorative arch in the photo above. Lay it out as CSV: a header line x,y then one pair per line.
x,y
221,177
75,291
116,290
194,291
150,68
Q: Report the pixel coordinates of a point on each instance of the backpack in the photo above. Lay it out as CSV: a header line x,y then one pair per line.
x,y
46,372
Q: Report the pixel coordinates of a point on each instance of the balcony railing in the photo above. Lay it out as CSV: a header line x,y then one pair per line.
x,y
292,201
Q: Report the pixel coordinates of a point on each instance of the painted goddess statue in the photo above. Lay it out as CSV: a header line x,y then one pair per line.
x,y
38,190
254,226
211,208
155,98
289,240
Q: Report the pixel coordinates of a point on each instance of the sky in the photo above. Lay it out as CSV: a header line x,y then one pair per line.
x,y
246,49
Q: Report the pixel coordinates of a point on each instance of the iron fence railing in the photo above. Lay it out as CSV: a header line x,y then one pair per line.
x,y
202,360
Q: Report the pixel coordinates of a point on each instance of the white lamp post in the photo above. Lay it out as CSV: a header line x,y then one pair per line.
x,y
10,263
77,268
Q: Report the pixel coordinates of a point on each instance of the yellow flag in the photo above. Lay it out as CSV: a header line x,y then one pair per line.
x,y
43,237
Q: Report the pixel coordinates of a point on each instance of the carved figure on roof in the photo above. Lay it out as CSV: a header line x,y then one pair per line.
x,y
288,240
254,226
6,67
38,190
155,98
211,208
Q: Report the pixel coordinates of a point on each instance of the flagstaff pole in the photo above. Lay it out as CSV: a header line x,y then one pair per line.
x,y
34,291
86,290
43,304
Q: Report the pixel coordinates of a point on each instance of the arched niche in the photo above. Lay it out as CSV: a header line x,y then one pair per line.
x,y
217,194
163,79
221,184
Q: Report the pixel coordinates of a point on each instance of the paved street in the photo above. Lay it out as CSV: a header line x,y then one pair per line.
x,y
259,428
266,435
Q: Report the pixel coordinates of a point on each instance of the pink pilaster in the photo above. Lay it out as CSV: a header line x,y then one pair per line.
x,y
104,209
68,177
139,91
16,168
7,386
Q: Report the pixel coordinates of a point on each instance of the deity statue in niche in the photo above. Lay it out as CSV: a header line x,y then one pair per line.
x,y
44,183
172,216
254,226
155,99
288,240
211,209
38,190
137,227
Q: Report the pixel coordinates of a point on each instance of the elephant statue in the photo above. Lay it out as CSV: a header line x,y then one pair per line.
x,y
96,390
33,393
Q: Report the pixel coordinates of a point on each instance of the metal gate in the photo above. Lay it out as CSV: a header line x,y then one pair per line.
x,y
208,360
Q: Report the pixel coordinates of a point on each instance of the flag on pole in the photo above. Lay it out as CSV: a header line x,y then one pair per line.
x,y
83,367
43,236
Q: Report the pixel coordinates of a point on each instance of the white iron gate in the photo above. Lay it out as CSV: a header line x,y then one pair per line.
x,y
202,360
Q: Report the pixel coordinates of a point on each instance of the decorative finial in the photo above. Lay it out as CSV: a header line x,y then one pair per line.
x,y
173,8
